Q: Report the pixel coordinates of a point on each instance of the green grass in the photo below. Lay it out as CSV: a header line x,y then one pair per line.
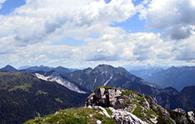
x,y
106,87
73,116
127,92
136,101
109,111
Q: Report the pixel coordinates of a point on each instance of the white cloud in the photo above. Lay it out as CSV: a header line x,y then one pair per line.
x,y
114,46
175,18
185,49
42,22
1,3
39,19
28,35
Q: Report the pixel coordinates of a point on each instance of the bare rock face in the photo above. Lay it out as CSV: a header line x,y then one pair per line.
x,y
182,117
105,97
125,117
191,116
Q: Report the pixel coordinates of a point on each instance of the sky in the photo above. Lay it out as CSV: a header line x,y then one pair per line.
x,y
83,33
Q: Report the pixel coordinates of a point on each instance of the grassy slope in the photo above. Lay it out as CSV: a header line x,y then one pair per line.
x,y
73,116
144,107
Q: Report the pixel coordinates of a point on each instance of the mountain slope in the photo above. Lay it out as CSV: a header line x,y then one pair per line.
x,y
37,69
58,79
186,98
74,116
48,70
177,77
145,72
23,96
106,75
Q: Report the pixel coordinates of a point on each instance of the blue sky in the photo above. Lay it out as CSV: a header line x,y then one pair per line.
x,y
133,24
89,32
10,5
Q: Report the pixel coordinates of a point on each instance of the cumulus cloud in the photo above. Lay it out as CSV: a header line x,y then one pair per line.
x,y
41,22
117,44
114,45
174,18
38,20
28,35
185,49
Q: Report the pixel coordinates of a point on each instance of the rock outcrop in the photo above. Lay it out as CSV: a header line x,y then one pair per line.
x,y
105,97
128,106
182,117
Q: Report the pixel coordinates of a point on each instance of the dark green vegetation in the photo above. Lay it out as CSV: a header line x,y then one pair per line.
x,y
74,116
23,96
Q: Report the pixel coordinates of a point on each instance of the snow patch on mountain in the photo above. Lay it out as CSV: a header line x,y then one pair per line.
x,y
60,81
108,80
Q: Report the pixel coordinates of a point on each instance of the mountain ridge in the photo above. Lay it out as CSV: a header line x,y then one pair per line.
x,y
177,77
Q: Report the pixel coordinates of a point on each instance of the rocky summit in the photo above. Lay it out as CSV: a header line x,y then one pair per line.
x,y
108,105
128,106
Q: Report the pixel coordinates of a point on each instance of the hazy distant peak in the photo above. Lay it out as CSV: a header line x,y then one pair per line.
x,y
8,68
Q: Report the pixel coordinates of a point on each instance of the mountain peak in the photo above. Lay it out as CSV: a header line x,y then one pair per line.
x,y
111,69
38,68
103,67
8,68
60,68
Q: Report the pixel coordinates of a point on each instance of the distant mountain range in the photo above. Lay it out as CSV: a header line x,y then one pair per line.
x,y
49,70
106,75
177,77
62,87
